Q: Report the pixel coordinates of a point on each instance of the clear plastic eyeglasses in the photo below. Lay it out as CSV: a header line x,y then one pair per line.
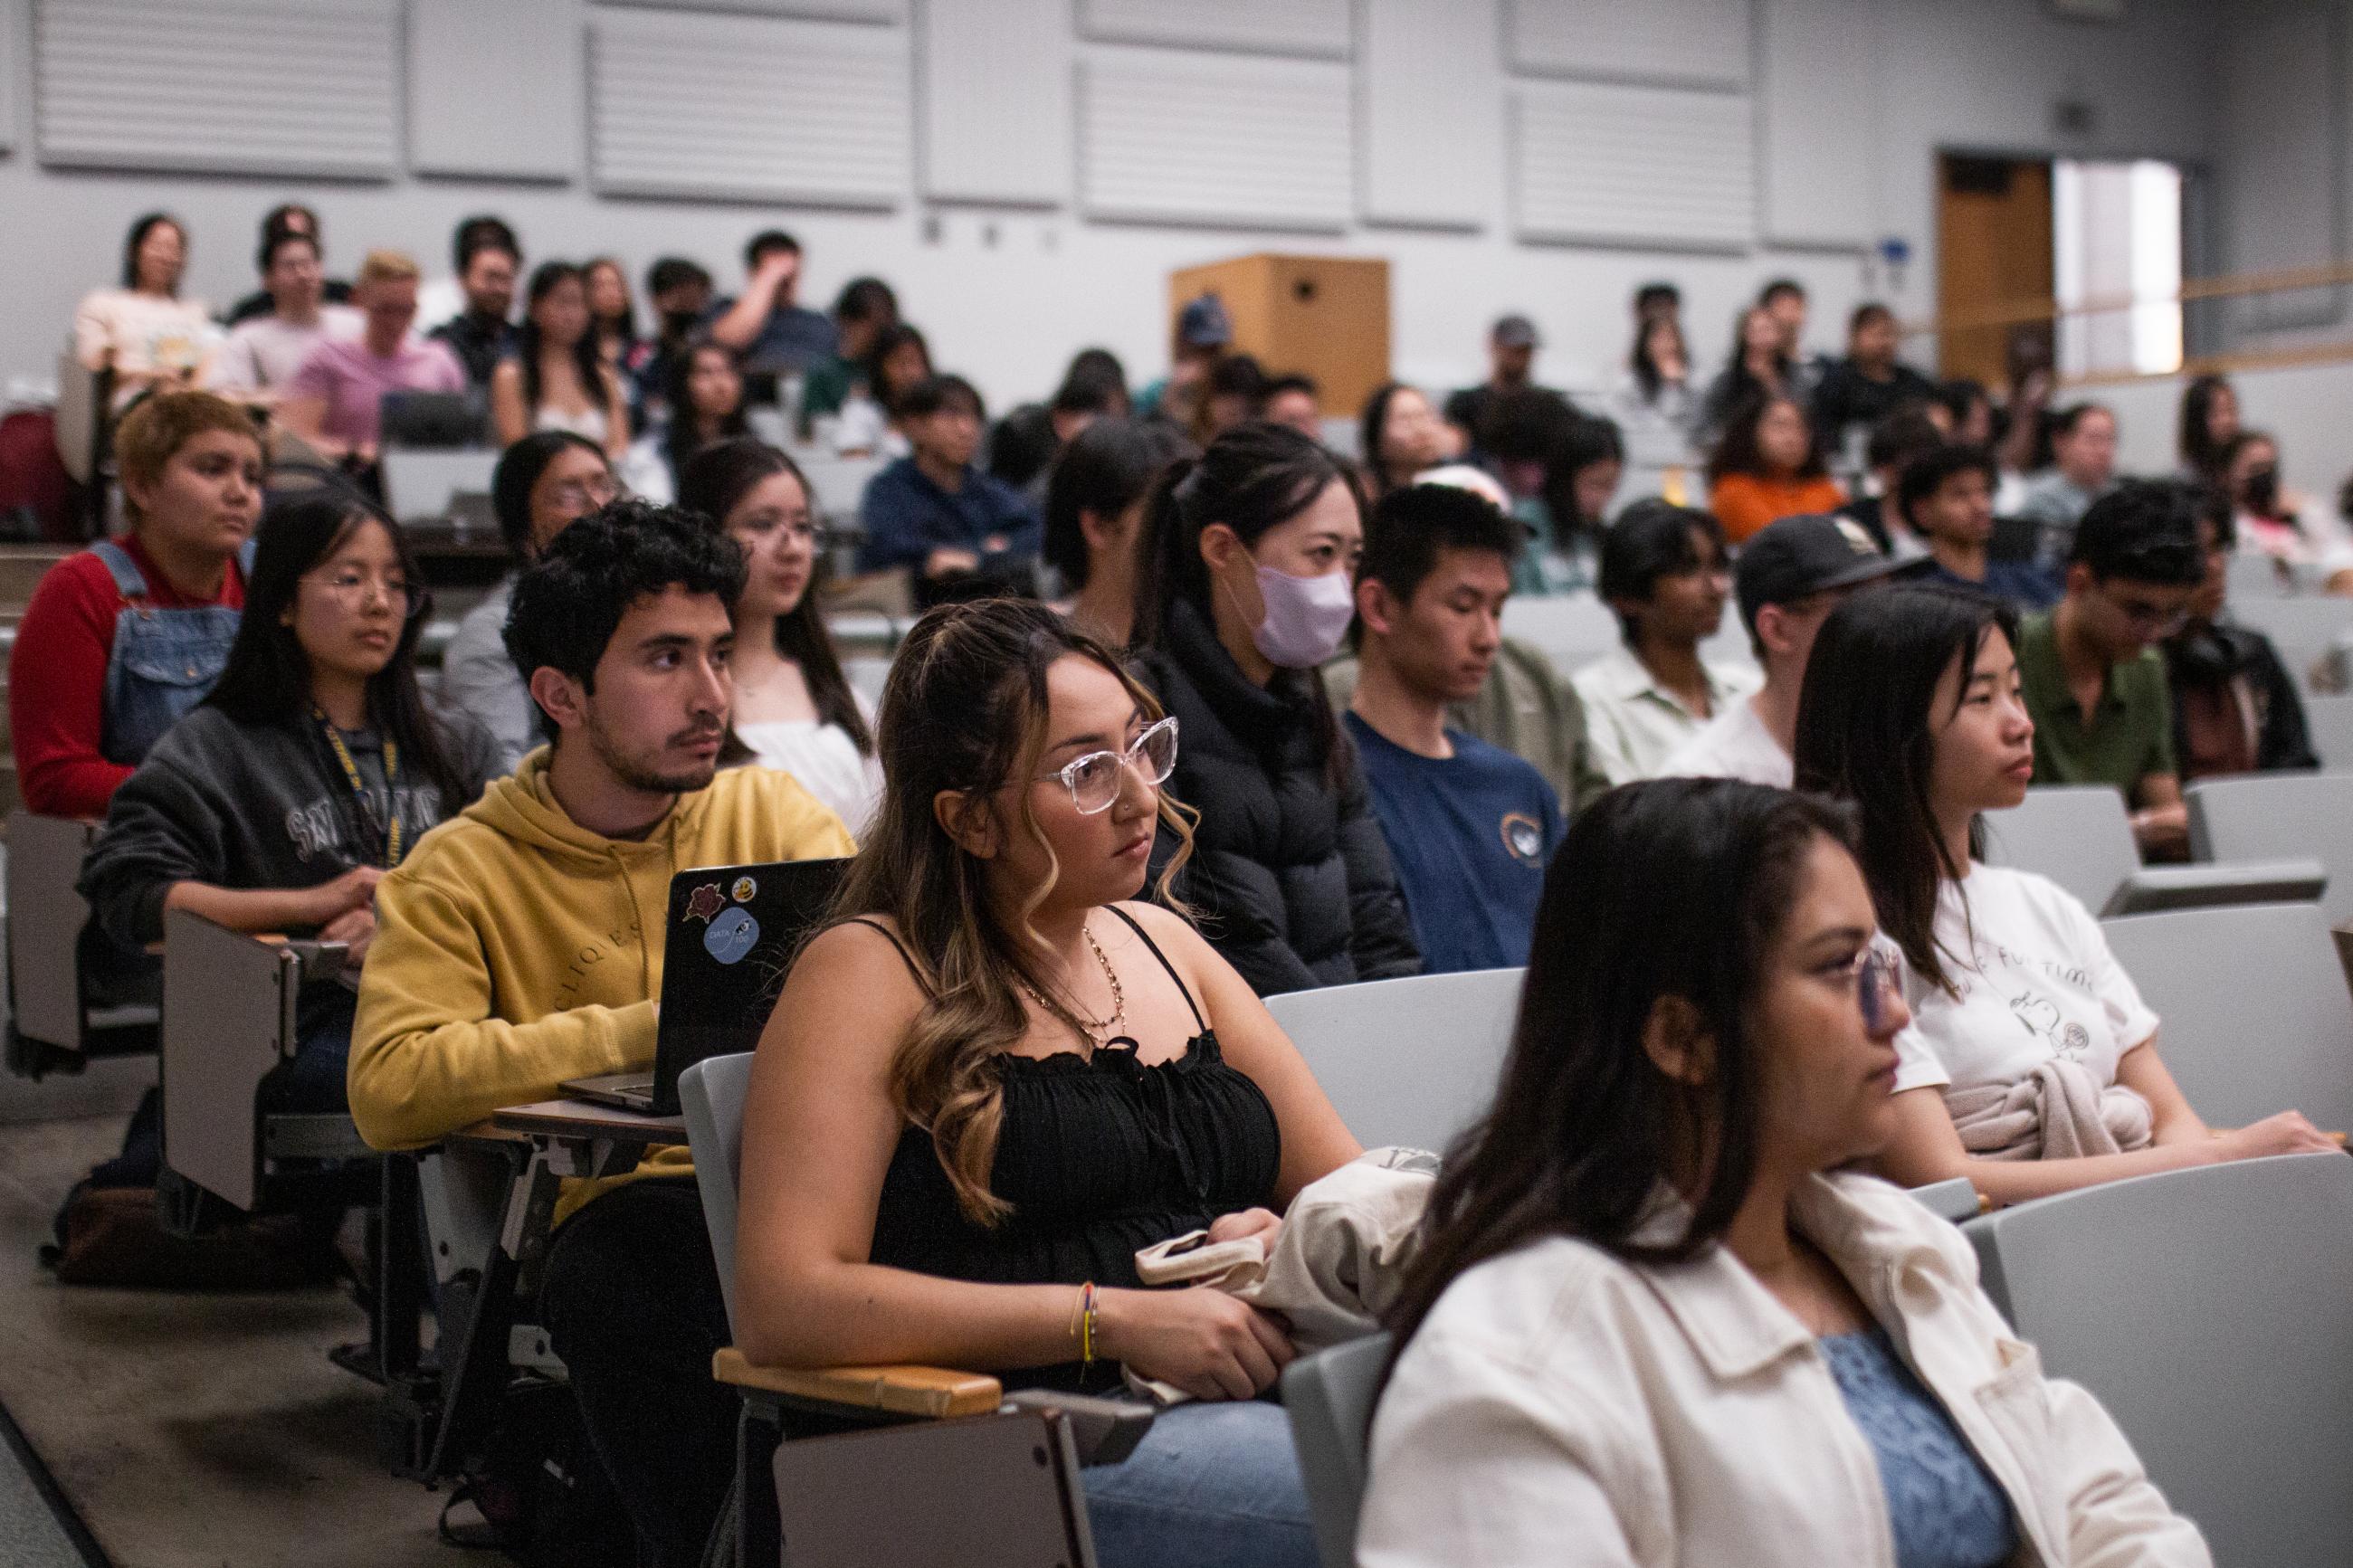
x,y
1874,983
1095,780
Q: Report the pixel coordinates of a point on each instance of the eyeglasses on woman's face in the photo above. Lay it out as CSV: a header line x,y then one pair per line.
x,y
353,588
1095,780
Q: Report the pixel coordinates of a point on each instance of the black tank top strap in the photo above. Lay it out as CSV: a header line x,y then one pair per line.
x,y
892,938
1200,1024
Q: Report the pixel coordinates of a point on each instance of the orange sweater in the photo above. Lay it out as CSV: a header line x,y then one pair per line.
x,y
1747,503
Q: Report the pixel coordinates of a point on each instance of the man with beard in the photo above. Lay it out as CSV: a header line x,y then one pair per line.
x,y
520,945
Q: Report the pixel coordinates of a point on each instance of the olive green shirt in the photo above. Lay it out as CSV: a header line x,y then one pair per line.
x,y
2130,734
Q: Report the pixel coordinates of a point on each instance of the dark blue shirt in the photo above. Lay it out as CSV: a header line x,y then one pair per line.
x,y
1469,835
906,516
2020,583
792,337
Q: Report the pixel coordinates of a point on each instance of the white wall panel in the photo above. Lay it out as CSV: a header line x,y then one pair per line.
x,y
1189,137
816,10
249,86
748,108
1817,85
12,63
995,76
1632,165
1698,41
1317,28
1429,121
494,89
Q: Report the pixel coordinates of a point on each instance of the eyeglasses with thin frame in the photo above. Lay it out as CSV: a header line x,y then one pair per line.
x,y
1875,981
1095,780
585,495
354,588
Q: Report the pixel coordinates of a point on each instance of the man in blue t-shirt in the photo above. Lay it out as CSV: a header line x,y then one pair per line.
x,y
1470,828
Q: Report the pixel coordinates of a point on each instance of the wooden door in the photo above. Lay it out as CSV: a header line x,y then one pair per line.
x,y
1993,254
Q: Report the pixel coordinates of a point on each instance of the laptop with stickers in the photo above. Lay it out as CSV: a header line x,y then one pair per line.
x,y
731,934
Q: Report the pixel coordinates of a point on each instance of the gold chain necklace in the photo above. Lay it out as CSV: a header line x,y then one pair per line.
x,y
1094,1031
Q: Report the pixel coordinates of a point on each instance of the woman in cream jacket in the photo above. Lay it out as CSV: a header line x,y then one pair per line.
x,y
1652,1321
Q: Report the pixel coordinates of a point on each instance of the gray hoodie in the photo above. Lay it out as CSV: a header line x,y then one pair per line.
x,y
258,806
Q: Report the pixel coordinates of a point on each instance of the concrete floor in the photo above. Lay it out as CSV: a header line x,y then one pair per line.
x,y
189,1430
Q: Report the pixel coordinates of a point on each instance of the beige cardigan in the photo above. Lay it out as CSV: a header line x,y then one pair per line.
x,y
1562,1407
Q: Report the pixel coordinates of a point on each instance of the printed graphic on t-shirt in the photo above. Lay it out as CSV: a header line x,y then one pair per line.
x,y
1523,838
317,828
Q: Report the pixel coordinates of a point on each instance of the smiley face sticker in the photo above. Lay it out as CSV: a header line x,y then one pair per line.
x,y
731,935
744,890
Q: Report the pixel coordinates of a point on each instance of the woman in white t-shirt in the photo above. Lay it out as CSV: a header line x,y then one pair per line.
x,y
2030,1067
794,707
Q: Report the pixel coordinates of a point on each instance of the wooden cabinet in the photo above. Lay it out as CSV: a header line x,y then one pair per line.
x,y
1321,316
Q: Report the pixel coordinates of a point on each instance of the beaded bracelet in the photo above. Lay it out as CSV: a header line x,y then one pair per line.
x,y
1082,1324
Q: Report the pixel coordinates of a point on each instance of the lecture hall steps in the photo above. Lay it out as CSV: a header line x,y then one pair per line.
x,y
21,566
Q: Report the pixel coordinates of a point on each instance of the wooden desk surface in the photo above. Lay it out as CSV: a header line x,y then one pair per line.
x,y
584,1118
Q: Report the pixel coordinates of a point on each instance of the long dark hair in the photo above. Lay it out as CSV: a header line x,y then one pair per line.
x,y
1738,451
711,484
965,709
147,224
625,325
268,680
890,339
683,438
587,358
1644,362
1369,436
1866,733
2199,455
1675,888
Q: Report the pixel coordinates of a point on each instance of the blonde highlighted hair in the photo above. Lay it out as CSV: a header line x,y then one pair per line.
x,y
965,711
387,266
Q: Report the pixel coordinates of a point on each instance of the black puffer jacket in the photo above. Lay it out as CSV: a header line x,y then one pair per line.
x,y
1290,878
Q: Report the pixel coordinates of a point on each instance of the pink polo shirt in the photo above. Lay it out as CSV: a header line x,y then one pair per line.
x,y
353,381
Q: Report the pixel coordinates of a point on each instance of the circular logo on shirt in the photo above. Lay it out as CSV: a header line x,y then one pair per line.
x,y
1523,838
744,890
731,935
2074,1039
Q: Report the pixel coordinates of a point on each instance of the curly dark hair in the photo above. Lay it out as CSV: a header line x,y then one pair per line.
x,y
568,603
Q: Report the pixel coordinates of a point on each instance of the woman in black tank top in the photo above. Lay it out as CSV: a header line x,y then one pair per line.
x,y
996,1079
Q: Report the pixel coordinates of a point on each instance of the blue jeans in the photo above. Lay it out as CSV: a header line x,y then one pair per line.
x,y
1211,1484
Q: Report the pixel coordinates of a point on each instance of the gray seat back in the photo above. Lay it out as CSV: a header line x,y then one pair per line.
x,y
2330,721
228,1018
2255,1016
710,1096
2208,1310
46,915
1329,1398
2079,835
1411,1061
2277,816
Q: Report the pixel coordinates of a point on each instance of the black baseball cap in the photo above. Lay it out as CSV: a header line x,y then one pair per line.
x,y
1797,556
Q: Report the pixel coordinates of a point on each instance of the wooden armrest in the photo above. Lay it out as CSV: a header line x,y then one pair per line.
x,y
932,1392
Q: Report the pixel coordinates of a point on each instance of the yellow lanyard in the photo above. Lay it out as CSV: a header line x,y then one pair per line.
x,y
359,786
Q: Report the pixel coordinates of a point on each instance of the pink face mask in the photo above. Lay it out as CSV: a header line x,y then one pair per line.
x,y
1305,616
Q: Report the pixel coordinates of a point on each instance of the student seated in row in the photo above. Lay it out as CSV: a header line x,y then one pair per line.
x,y
1945,497
1469,826
2031,1066
794,707
937,513
1248,556
2093,682
521,945
2235,706
123,638
312,768
1665,576
1007,1069
543,484
1654,1317
1788,579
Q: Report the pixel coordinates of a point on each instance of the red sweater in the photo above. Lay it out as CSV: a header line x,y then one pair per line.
x,y
56,677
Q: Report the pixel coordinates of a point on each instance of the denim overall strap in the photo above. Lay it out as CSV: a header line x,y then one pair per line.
x,y
161,664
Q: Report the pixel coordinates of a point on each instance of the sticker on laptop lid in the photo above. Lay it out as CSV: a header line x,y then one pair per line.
x,y
744,890
704,903
731,935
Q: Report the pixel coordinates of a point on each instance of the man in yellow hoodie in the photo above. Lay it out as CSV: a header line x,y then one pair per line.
x,y
519,944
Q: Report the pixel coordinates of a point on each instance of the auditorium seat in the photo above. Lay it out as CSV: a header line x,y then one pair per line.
x,y
2260,817
2255,1014
1329,1397
2208,1310
1411,1061
2080,835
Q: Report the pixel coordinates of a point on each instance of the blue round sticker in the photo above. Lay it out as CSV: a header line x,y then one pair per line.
x,y
731,935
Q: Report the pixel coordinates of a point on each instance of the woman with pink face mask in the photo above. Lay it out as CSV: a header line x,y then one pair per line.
x,y
1245,585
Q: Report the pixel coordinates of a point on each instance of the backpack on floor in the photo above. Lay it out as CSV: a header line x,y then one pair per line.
x,y
542,1493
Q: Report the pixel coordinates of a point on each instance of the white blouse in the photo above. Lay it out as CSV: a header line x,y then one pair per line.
x,y
824,760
